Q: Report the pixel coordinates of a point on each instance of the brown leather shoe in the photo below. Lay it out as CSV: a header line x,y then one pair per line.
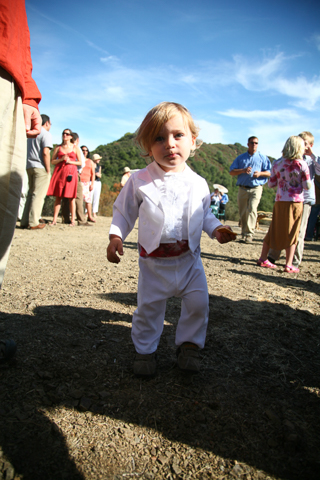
x,y
41,225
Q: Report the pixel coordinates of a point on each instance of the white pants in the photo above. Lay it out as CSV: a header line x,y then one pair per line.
x,y
160,279
13,147
24,193
96,197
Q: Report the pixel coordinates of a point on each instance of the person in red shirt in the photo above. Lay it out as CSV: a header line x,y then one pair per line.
x,y
19,116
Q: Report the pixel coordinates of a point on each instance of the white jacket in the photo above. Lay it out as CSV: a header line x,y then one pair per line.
x,y
140,197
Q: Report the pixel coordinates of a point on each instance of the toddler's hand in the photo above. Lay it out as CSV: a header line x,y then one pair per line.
x,y
224,234
114,246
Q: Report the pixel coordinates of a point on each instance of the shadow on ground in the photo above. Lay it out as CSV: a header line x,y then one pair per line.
x,y
254,401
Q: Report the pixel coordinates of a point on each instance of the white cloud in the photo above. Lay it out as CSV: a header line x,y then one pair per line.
x,y
316,40
210,132
268,75
308,92
280,116
114,94
254,75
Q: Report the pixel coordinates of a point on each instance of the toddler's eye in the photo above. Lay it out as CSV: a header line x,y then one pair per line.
x,y
159,139
179,135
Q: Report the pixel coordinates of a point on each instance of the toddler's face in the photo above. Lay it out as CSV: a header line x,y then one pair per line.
x,y
173,145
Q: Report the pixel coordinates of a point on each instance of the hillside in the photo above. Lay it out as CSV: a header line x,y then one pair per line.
x,y
211,161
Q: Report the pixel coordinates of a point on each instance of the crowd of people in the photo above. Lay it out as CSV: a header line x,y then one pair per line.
x,y
219,200
294,176
76,180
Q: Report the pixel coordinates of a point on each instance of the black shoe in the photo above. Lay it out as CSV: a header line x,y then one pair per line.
x,y
145,365
7,350
271,260
188,357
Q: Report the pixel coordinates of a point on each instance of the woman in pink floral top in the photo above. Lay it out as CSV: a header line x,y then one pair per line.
x,y
290,174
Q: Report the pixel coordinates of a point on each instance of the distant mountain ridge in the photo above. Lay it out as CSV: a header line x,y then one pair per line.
x,y
211,161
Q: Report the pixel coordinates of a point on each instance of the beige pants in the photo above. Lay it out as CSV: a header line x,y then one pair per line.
x,y
39,181
248,202
12,162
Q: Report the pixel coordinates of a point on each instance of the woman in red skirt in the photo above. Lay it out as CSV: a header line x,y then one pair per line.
x,y
64,180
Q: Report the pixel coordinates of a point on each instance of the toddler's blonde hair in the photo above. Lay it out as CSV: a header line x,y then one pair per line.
x,y
293,148
156,118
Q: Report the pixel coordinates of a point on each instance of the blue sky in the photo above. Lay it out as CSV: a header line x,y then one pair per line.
x,y
241,68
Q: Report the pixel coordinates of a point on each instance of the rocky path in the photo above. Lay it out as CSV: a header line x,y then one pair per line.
x,y
70,407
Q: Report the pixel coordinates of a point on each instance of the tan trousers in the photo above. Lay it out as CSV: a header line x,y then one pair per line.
x,y
39,181
248,202
13,147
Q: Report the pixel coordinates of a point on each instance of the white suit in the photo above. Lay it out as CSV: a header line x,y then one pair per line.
x,y
162,278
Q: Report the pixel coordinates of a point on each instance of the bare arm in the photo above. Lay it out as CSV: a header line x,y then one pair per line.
x,y
239,171
46,158
32,120
267,173
55,160
92,176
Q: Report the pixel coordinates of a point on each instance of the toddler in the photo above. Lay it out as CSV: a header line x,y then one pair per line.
x,y
172,203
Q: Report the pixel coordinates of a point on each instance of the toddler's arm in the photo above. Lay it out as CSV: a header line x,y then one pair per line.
x,y
115,245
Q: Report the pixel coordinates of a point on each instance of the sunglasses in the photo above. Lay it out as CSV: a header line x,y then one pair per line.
x,y
255,143
84,150
66,133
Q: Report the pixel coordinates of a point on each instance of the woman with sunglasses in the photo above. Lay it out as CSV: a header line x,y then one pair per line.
x,y
64,180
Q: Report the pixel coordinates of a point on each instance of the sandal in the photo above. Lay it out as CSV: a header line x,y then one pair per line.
x,y
266,264
291,269
52,224
72,224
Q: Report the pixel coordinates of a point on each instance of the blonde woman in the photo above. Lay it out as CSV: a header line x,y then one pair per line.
x,y
290,174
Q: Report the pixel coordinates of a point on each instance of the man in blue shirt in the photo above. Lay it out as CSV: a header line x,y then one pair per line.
x,y
253,170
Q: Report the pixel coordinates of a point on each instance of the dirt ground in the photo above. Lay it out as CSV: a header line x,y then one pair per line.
x,y
71,408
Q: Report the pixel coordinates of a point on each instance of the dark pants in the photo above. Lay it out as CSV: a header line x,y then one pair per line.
x,y
65,211
315,210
